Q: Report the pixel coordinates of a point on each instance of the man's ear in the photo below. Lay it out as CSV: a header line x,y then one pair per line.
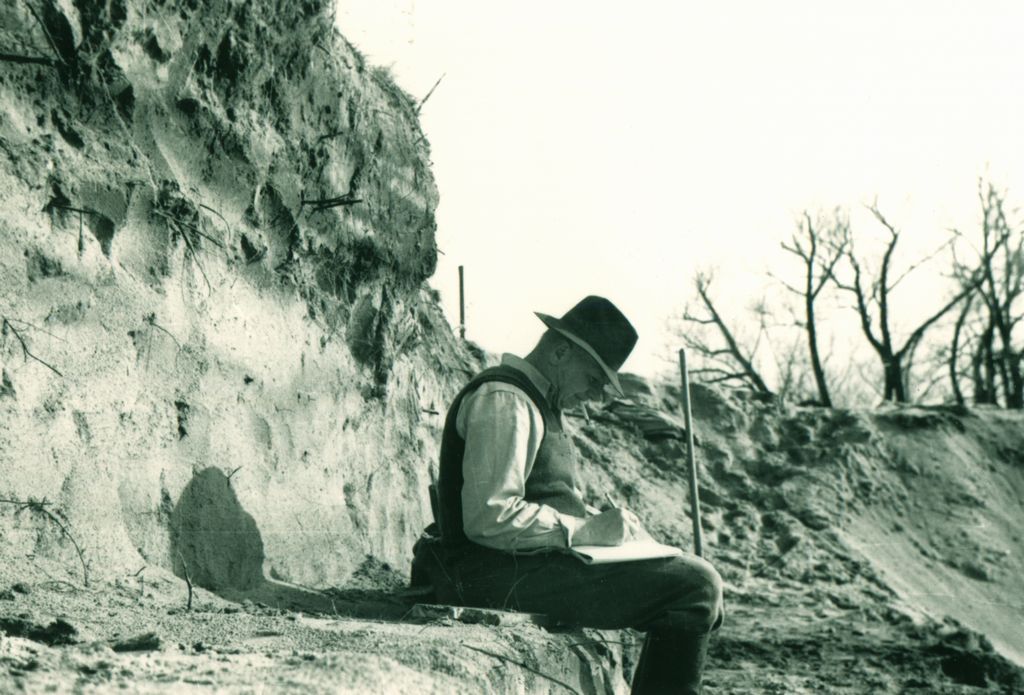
x,y
560,352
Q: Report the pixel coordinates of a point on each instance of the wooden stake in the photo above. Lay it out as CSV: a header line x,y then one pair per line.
x,y
698,536
462,305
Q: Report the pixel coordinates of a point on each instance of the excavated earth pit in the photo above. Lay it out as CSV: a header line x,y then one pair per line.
x,y
222,379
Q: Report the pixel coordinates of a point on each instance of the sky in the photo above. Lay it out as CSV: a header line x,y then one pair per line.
x,y
616,148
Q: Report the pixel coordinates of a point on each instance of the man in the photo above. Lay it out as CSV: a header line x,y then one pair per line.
x,y
508,505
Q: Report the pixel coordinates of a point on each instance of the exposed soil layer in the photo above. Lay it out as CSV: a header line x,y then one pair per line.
x,y
217,347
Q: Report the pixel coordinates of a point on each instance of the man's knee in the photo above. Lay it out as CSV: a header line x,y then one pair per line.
x,y
702,596
715,588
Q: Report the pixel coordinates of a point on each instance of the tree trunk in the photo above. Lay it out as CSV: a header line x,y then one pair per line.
x,y
812,341
954,349
1009,367
1016,398
983,367
991,370
895,389
977,378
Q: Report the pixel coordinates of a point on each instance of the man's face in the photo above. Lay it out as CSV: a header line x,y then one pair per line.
x,y
581,380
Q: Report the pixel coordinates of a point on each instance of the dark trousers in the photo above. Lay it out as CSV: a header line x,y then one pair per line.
x,y
678,601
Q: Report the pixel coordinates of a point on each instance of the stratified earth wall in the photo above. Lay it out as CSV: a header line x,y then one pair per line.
x,y
217,351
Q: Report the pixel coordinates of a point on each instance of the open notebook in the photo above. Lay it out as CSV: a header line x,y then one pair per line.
x,y
627,552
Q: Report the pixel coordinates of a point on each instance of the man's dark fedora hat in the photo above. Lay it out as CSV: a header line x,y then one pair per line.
x,y
604,333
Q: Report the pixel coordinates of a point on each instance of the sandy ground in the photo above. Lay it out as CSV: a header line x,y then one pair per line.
x,y
72,640
781,635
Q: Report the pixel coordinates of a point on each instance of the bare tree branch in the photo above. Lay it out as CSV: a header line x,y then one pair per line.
x,y
703,283
897,362
915,266
831,238
42,508
8,326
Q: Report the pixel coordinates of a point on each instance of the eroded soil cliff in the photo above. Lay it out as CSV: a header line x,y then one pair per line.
x,y
217,346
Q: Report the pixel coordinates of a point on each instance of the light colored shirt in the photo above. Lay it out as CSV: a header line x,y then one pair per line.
x,y
503,429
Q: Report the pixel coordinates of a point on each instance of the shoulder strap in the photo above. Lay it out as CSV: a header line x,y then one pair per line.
x,y
509,375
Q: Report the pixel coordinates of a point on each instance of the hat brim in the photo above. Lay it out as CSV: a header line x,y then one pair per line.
x,y
558,325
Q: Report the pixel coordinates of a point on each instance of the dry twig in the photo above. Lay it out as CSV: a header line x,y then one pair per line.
x,y
46,32
142,581
41,507
7,325
188,580
31,60
327,203
226,224
39,328
529,668
151,320
194,228
424,99
177,226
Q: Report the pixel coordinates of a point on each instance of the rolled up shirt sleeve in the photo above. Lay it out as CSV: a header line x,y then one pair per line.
x,y
503,431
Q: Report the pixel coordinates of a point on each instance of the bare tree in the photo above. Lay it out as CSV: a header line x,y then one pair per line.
x,y
820,247
729,361
996,359
983,365
875,294
791,372
954,350
1002,286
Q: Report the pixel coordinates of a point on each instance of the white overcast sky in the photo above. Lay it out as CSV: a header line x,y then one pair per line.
x,y
612,148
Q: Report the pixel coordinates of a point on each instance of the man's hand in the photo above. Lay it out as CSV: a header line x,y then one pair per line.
x,y
610,527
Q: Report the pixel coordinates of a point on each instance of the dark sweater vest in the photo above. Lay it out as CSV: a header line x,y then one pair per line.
x,y
551,481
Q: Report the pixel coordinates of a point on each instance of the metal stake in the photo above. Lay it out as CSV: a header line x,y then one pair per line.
x,y
462,305
698,536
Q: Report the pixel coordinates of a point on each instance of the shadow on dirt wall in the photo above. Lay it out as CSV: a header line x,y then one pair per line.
x,y
219,544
